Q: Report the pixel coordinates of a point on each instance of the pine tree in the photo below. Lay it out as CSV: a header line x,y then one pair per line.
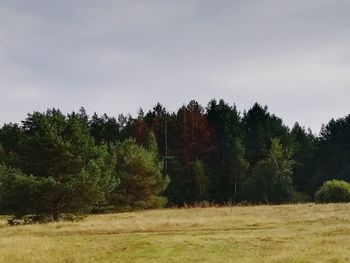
x,y
104,129
230,166
60,164
304,147
332,155
141,179
195,140
260,127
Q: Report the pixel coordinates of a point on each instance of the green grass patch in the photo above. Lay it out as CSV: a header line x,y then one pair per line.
x,y
281,234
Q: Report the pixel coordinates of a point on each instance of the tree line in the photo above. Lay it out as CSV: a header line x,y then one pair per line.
x,y
54,164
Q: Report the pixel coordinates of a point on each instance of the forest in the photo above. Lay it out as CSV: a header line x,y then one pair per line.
x,y
55,165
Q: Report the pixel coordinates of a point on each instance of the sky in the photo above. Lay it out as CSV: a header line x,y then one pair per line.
x,y
117,56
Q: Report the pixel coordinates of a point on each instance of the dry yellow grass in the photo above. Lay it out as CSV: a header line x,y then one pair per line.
x,y
289,233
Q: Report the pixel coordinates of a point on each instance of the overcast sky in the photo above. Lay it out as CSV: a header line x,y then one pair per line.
x,y
115,56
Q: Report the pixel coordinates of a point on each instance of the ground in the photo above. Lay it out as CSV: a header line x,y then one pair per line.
x,y
288,233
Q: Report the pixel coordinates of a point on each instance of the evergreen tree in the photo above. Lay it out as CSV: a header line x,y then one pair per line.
x,y
10,136
201,181
157,120
67,163
196,140
304,147
140,129
230,164
2,154
60,165
104,129
141,180
260,127
271,178
333,152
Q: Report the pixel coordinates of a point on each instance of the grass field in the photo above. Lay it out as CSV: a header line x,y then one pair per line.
x,y
289,233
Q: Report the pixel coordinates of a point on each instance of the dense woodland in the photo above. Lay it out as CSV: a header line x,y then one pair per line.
x,y
54,164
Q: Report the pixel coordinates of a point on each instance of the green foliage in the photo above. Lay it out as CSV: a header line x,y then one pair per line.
x,y
152,147
230,171
271,180
104,129
334,191
214,153
260,128
10,136
17,192
141,180
238,169
201,180
62,171
304,148
2,154
333,151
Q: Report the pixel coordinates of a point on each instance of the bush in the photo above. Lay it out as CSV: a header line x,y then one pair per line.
x,y
334,191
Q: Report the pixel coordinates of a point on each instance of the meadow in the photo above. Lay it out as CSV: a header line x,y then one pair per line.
x,y
285,234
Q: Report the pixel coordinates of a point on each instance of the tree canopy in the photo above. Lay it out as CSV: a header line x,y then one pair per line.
x,y
76,163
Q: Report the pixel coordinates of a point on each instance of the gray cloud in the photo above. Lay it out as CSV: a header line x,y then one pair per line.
x,y
114,56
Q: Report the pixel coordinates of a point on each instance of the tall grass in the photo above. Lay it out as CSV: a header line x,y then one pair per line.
x,y
289,233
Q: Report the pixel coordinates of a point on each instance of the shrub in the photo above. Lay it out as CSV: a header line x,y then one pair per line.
x,y
334,191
